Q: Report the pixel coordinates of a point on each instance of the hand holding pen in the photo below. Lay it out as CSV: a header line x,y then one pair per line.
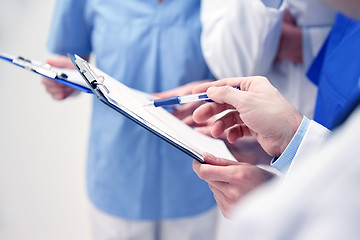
x,y
181,99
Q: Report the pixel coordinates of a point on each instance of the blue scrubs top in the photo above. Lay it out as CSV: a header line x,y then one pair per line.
x,y
152,47
336,72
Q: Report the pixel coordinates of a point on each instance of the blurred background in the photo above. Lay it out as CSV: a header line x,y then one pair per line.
x,y
42,141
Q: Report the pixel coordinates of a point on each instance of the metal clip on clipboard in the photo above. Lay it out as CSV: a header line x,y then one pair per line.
x,y
64,76
95,82
38,67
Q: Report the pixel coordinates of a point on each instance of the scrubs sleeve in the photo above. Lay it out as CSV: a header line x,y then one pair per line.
x,y
69,32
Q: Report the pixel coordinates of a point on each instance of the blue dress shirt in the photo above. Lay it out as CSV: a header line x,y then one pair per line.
x,y
272,3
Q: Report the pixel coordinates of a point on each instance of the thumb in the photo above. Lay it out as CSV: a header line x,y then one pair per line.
x,y
61,62
211,159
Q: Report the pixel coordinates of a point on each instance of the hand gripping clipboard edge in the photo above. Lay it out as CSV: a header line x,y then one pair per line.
x,y
41,69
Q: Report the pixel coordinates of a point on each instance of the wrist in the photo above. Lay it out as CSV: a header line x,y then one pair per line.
x,y
283,162
293,126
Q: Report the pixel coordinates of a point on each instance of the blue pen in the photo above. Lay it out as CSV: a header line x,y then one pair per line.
x,y
181,99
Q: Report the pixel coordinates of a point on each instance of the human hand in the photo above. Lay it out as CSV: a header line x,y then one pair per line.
x,y
261,111
57,90
290,46
205,128
229,180
243,149
185,111
248,150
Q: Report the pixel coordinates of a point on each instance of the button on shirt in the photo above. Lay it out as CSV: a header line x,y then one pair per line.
x,y
152,47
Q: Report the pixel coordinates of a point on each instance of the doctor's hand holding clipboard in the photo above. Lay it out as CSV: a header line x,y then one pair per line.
x,y
58,90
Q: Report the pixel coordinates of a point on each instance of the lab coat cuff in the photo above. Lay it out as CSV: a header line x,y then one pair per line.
x,y
283,162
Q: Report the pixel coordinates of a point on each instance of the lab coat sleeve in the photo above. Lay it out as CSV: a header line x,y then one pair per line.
x,y
320,200
311,143
239,37
283,162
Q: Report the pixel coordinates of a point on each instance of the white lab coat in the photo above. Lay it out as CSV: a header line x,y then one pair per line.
x,y
314,139
241,38
310,145
320,199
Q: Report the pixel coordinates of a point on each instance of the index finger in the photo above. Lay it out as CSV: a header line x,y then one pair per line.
x,y
208,110
229,95
61,62
241,82
50,83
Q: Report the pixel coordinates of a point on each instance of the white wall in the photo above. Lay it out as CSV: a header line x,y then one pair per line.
x,y
42,141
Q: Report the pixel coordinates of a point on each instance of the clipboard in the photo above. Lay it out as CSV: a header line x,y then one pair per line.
x,y
67,77
131,103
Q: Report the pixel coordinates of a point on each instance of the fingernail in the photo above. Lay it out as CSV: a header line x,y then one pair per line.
x,y
209,156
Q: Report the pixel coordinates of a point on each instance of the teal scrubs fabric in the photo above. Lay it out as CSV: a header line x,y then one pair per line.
x,y
148,46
